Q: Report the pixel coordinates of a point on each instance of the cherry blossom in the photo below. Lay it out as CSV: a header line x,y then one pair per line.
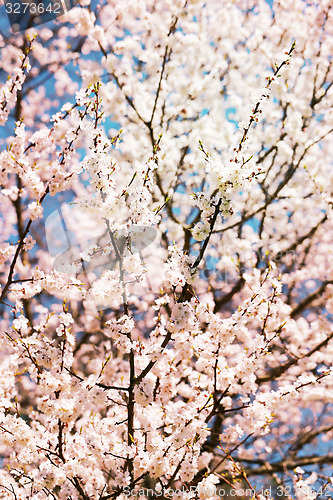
x,y
166,283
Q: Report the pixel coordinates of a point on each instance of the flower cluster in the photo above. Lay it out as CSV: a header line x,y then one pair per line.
x,y
166,309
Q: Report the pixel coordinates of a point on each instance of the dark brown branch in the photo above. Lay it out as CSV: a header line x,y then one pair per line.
x,y
284,465
309,299
281,369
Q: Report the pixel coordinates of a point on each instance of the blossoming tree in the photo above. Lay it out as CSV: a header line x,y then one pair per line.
x,y
194,141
